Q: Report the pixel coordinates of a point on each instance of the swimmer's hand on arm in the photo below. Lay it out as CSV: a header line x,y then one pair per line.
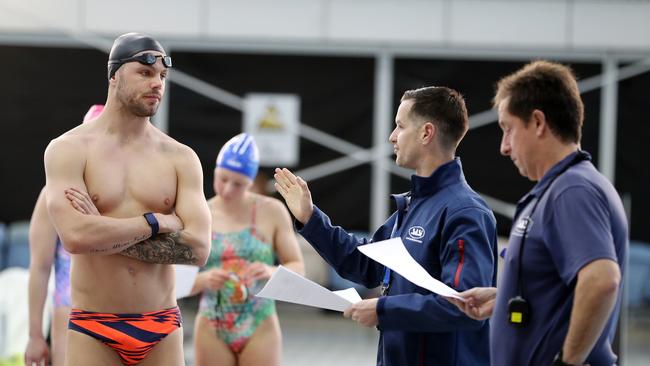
x,y
163,249
86,233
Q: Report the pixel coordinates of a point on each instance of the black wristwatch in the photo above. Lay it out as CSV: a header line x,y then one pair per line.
x,y
151,220
557,361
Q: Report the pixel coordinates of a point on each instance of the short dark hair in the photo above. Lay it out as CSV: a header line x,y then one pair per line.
x,y
549,87
445,108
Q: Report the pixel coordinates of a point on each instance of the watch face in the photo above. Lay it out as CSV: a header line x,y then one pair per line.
x,y
557,361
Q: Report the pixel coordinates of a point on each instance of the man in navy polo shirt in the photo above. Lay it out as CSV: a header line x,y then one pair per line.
x,y
559,296
445,226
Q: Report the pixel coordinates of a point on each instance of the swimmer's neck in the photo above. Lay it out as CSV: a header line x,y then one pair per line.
x,y
233,205
127,126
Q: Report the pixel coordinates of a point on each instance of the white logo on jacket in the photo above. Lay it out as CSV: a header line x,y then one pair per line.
x,y
416,233
523,226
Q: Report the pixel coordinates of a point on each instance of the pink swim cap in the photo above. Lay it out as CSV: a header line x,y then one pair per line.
x,y
94,111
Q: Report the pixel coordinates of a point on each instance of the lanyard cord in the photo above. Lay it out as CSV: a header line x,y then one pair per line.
x,y
520,278
385,284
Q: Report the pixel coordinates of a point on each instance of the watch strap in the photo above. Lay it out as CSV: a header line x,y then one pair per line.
x,y
153,223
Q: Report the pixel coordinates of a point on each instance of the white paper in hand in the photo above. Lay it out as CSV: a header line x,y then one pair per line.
x,y
286,285
349,294
392,254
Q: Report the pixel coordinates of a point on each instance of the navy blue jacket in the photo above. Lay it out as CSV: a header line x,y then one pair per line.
x,y
451,232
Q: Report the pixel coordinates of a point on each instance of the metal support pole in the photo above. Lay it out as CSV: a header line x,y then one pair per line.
x,y
383,102
608,117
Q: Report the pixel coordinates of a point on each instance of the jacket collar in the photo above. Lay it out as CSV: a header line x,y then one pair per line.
x,y
448,173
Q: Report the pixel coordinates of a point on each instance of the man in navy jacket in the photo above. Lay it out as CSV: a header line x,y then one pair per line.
x,y
445,226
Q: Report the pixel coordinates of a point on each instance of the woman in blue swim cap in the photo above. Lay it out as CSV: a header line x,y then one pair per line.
x,y
249,231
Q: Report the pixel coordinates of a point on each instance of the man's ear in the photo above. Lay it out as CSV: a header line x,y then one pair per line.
x,y
113,79
428,132
538,118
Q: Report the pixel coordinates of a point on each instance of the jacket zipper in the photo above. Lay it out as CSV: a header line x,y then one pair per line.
x,y
461,260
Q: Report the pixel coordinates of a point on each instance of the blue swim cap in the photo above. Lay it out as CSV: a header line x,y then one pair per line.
x,y
240,155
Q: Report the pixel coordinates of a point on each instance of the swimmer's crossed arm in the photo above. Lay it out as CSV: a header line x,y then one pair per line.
x,y
84,234
162,249
192,244
87,233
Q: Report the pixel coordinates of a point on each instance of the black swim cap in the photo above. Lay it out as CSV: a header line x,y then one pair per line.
x,y
128,45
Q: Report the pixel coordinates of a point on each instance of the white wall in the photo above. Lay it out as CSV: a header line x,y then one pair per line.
x,y
593,25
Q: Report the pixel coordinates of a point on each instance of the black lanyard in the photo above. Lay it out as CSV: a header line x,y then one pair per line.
x,y
580,156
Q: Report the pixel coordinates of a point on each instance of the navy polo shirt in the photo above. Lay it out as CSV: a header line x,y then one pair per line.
x,y
579,219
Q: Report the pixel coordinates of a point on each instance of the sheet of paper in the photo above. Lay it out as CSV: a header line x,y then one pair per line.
x,y
185,277
392,254
286,285
349,294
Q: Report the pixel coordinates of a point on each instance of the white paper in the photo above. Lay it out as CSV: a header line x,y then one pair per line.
x,y
286,285
349,294
392,254
185,277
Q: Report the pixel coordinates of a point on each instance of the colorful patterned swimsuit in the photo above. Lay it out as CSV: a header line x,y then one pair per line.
x,y
132,336
234,310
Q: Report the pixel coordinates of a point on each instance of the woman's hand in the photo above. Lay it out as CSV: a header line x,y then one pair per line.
x,y
214,279
258,271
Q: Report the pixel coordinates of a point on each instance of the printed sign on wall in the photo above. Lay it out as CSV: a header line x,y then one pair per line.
x,y
274,120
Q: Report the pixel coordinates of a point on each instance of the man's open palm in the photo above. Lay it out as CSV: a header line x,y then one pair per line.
x,y
296,194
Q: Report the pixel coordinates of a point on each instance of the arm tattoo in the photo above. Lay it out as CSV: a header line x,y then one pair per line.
x,y
162,249
115,246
